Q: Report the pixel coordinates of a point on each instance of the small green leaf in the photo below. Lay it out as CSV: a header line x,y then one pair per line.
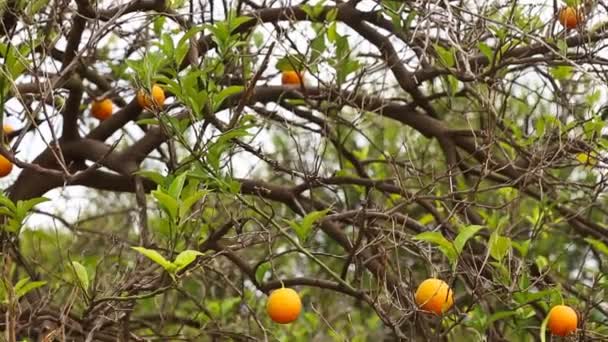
x,y
562,72
445,246
260,272
598,245
446,57
82,275
24,286
167,202
304,227
187,203
23,207
291,63
157,258
5,201
185,258
464,235
332,14
499,246
235,22
543,329
148,121
35,6
486,50
541,262
500,315
224,94
313,217
175,189
523,247
152,175
562,46
183,45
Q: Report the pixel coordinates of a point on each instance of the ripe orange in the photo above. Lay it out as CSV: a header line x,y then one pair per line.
x,y
8,129
562,320
291,78
284,305
569,17
434,295
157,100
102,110
5,166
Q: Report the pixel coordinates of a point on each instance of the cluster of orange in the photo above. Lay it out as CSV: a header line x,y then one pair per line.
x,y
102,109
432,295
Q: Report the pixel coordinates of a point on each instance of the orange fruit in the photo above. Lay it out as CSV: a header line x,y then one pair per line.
x,y
102,110
569,17
8,129
434,295
562,320
5,166
157,100
284,305
291,78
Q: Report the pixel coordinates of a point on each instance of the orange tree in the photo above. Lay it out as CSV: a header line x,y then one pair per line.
x,y
458,140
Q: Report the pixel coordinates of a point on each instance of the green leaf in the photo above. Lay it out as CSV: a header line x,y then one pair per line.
x,y
317,48
152,175
235,22
523,247
185,206
175,189
5,201
303,228
500,315
486,50
562,72
157,258
148,121
464,235
332,14
167,202
35,6
24,286
260,272
562,46
541,262
23,207
499,246
598,245
185,258
332,32
219,99
82,275
543,329
223,143
446,57
291,63
528,297
184,44
444,245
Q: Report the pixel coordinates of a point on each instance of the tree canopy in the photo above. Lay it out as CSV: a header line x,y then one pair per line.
x,y
458,140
